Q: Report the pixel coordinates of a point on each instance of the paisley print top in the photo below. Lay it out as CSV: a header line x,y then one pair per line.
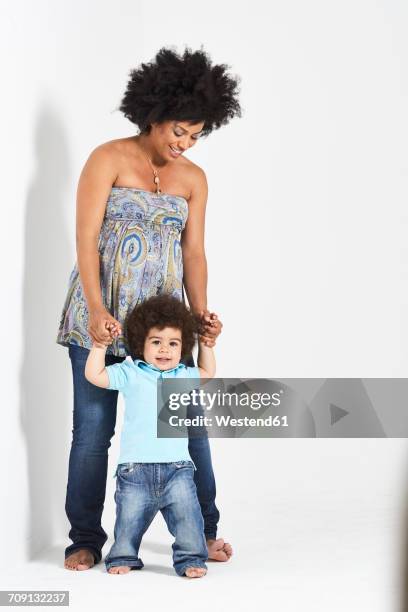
x,y
140,256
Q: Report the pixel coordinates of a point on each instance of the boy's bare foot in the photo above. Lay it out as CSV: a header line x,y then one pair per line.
x,y
81,559
119,569
218,550
195,572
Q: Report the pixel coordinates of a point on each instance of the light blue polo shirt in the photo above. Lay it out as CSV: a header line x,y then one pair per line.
x,y
137,381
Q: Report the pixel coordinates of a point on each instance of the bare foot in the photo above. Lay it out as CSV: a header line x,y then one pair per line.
x,y
119,569
81,559
218,550
195,572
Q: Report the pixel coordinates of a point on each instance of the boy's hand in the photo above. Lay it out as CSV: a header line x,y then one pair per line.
x,y
114,329
210,327
99,318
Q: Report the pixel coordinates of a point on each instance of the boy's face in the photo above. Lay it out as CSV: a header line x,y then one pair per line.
x,y
162,347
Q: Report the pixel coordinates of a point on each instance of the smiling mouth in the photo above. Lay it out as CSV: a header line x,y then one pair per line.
x,y
175,151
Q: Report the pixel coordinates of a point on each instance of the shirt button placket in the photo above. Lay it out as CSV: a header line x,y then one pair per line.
x,y
158,471
161,472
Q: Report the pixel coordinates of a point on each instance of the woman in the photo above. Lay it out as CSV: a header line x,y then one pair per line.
x,y
140,232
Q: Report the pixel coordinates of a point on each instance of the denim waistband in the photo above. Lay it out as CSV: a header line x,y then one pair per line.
x,y
132,464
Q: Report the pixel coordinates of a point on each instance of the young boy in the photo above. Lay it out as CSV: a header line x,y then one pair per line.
x,y
154,473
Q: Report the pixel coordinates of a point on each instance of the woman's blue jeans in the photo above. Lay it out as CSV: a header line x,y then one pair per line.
x,y
94,418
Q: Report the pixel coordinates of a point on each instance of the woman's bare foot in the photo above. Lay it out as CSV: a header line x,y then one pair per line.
x,y
195,572
218,550
119,569
81,559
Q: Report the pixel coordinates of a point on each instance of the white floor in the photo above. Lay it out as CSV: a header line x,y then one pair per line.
x,y
330,560
316,525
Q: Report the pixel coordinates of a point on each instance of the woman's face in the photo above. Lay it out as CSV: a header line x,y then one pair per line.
x,y
172,138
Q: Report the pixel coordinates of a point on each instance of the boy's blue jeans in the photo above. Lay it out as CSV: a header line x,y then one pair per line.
x,y
142,489
94,418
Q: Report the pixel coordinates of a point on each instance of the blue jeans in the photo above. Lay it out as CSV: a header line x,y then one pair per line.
x,y
142,489
94,418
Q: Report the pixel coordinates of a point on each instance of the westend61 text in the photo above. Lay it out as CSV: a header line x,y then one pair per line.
x,y
199,397
227,421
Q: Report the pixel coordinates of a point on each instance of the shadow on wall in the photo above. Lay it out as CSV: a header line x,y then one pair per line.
x,y
403,577
45,410
404,581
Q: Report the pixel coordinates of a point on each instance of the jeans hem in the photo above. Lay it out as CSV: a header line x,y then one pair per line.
x,y
125,561
181,571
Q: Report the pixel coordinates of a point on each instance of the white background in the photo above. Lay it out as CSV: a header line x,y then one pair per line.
x,y
307,250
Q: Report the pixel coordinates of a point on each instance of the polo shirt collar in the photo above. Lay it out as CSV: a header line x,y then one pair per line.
x,y
140,363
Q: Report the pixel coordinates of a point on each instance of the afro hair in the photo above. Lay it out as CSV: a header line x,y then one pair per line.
x,y
160,311
183,87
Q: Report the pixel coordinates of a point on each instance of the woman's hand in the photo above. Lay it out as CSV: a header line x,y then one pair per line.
x,y
210,327
102,327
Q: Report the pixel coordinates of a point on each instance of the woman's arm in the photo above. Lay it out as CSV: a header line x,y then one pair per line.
x,y
95,184
194,260
192,244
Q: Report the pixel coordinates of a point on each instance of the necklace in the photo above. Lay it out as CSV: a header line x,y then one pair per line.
x,y
156,178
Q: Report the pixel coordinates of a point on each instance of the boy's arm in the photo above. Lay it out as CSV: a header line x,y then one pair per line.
x,y
206,361
95,370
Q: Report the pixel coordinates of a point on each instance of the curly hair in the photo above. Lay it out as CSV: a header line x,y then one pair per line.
x,y
160,311
183,87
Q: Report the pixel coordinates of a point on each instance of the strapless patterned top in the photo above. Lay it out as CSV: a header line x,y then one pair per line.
x,y
140,256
